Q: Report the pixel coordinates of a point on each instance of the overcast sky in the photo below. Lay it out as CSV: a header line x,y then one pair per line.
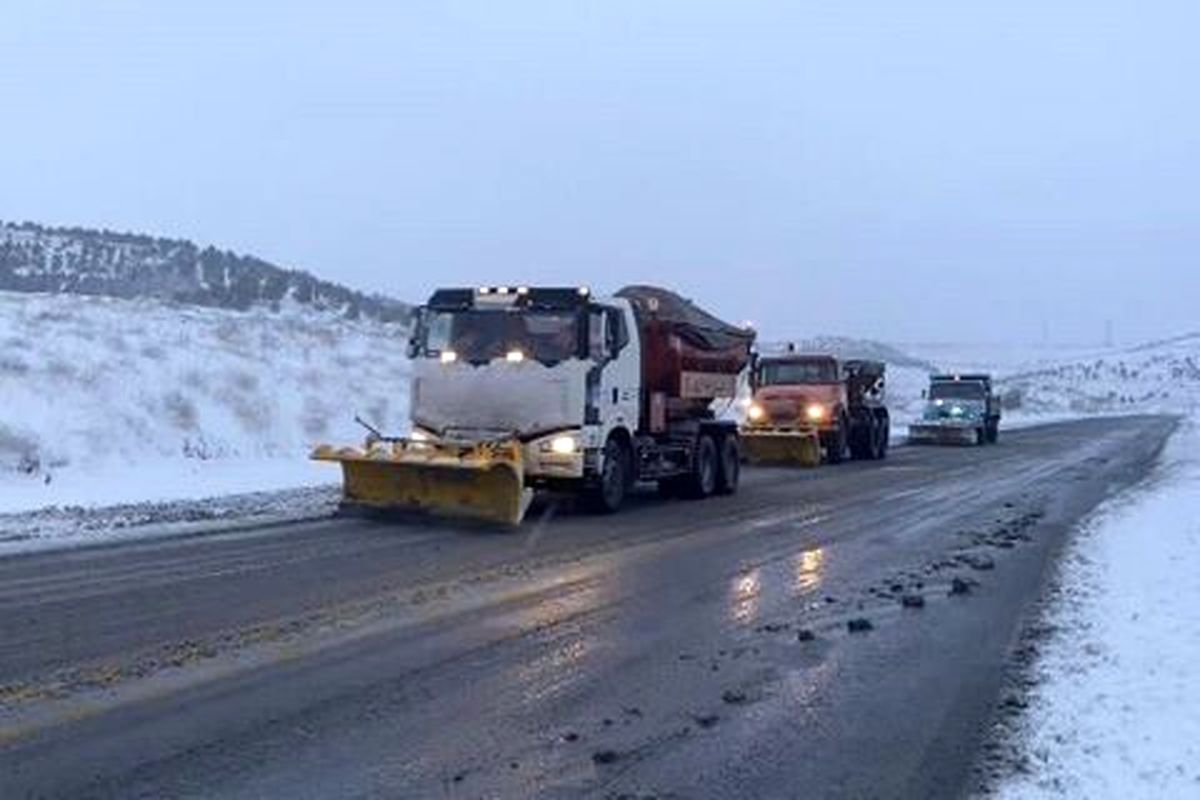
x,y
911,170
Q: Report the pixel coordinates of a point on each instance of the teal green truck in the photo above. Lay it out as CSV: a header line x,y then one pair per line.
x,y
959,409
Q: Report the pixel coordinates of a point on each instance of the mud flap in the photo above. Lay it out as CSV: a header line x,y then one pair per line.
x,y
781,447
477,481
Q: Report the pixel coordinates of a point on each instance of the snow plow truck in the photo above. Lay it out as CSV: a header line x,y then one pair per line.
x,y
808,408
520,389
959,409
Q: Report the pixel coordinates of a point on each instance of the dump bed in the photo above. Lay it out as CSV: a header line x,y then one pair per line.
x,y
689,356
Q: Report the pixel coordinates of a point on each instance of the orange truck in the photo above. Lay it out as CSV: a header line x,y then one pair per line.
x,y
806,409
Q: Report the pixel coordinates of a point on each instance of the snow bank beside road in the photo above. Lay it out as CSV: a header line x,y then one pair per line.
x,y
108,400
1117,710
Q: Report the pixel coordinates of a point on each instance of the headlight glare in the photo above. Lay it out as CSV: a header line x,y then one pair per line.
x,y
564,445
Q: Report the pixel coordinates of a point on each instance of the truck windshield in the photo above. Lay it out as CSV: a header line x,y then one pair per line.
x,y
957,390
773,373
479,336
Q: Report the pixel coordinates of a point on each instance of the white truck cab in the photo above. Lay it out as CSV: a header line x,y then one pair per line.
x,y
564,372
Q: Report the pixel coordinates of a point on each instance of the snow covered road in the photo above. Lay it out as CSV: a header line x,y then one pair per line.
x,y
859,616
1116,711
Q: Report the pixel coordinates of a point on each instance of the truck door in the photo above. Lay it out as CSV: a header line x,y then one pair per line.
x,y
620,370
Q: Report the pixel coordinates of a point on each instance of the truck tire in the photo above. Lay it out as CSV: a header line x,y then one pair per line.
x,y
860,442
875,451
885,438
980,436
730,472
993,431
702,481
608,494
837,443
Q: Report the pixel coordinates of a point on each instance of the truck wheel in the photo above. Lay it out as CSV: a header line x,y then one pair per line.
x,y
702,481
876,442
980,437
609,494
860,443
837,444
993,432
731,466
885,439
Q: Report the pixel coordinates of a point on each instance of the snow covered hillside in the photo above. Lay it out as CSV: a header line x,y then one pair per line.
x,y
37,258
109,400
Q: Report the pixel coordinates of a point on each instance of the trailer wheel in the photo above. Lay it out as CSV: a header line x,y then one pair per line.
x,y
731,466
609,494
702,481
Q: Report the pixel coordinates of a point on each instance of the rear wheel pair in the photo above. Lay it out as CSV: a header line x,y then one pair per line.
x,y
716,469
870,442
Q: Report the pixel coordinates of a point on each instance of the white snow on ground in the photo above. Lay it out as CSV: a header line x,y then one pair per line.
x,y
1116,713
106,400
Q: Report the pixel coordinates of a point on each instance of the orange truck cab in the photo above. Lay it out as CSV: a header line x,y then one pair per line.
x,y
842,402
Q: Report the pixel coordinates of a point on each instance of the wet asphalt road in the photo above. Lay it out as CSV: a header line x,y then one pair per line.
x,y
679,649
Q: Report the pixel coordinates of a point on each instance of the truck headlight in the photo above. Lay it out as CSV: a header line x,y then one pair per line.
x,y
755,412
564,445
449,356
816,412
957,411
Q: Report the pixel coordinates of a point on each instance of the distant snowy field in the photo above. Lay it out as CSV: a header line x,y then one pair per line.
x,y
1116,712
108,401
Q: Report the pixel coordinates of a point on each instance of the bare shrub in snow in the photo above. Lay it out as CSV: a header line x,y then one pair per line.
x,y
314,419
243,381
180,411
153,352
13,366
18,451
61,370
48,315
230,332
196,380
251,412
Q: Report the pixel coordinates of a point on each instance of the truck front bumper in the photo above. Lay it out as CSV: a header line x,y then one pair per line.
x,y
944,432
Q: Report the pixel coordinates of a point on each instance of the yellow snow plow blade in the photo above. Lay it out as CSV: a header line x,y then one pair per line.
x,y
783,446
482,480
